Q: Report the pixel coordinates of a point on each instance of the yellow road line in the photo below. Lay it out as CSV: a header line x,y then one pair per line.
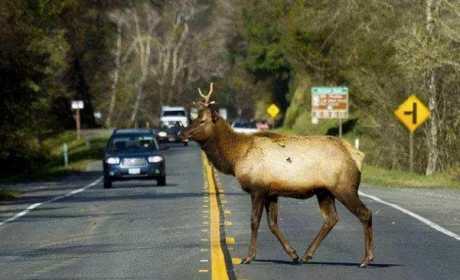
x,y
218,265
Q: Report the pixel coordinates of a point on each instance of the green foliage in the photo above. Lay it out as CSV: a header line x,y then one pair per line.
x,y
45,47
375,175
381,50
6,194
264,54
81,152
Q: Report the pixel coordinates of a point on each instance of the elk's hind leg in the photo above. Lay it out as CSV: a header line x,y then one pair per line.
x,y
356,206
271,205
257,201
328,212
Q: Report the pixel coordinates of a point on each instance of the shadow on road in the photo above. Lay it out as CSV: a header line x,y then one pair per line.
x,y
125,185
380,265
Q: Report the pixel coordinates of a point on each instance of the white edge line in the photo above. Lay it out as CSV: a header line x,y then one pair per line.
x,y
415,216
35,205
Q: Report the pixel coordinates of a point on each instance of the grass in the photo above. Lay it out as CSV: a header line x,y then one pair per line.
x,y
8,194
379,176
81,152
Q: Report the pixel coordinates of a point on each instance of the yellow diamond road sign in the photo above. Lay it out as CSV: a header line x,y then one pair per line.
x,y
412,113
273,110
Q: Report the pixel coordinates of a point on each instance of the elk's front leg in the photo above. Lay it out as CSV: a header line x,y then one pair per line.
x,y
327,206
271,206
257,201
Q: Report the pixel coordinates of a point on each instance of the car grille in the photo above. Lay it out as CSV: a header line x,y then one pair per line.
x,y
133,162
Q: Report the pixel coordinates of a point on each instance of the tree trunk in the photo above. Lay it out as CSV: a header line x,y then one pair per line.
x,y
137,103
113,98
432,132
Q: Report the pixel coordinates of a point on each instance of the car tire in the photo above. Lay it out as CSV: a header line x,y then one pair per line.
x,y
185,144
161,181
107,183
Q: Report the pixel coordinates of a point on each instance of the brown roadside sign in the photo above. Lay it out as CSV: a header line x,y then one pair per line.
x,y
329,102
412,113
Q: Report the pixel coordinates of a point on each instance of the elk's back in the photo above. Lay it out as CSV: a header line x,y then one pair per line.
x,y
295,165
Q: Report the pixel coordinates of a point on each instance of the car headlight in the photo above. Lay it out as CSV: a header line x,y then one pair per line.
x,y
155,159
162,134
113,160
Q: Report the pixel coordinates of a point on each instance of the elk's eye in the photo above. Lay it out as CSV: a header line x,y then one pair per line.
x,y
202,121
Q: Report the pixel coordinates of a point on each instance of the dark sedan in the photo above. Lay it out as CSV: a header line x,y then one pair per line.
x,y
171,134
133,154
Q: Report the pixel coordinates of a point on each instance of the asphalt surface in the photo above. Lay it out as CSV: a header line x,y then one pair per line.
x,y
138,230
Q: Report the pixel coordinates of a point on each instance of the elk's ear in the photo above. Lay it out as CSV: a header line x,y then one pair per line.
x,y
215,116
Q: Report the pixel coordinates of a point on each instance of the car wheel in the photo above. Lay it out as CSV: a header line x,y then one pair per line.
x,y
107,183
185,143
161,181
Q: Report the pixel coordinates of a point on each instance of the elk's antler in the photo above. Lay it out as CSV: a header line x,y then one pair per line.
x,y
206,97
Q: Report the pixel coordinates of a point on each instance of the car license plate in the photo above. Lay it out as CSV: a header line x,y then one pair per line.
x,y
134,171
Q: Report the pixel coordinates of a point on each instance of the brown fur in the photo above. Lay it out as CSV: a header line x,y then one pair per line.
x,y
268,165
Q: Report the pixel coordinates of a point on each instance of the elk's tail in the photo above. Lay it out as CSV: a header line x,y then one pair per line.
x,y
355,154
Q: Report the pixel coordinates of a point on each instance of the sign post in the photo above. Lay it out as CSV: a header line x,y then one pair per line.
x,y
329,103
65,152
77,105
412,113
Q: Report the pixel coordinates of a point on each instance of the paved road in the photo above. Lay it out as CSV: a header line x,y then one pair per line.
x,y
134,231
140,231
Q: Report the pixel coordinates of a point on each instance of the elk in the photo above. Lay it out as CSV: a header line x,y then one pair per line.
x,y
269,165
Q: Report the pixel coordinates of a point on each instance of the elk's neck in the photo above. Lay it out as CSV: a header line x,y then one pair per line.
x,y
225,147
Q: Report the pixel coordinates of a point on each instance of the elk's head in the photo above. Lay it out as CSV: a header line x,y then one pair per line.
x,y
202,128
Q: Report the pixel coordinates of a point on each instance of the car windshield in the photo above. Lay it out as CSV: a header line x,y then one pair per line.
x,y
178,113
243,124
133,143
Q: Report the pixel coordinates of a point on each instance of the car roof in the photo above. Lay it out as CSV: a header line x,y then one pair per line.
x,y
172,108
133,131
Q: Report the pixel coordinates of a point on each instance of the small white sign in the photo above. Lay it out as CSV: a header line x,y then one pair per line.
x,y
77,104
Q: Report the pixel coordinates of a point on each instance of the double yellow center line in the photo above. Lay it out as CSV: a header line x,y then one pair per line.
x,y
218,263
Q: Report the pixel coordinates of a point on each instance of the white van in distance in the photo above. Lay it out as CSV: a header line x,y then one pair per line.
x,y
169,116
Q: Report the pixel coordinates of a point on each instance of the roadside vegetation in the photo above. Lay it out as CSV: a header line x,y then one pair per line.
x,y
6,194
80,153
378,176
125,59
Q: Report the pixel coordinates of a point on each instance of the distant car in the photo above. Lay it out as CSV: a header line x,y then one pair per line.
x,y
243,126
133,154
169,116
171,134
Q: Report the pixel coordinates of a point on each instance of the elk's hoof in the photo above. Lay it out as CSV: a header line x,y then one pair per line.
x,y
306,259
366,261
296,260
247,260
